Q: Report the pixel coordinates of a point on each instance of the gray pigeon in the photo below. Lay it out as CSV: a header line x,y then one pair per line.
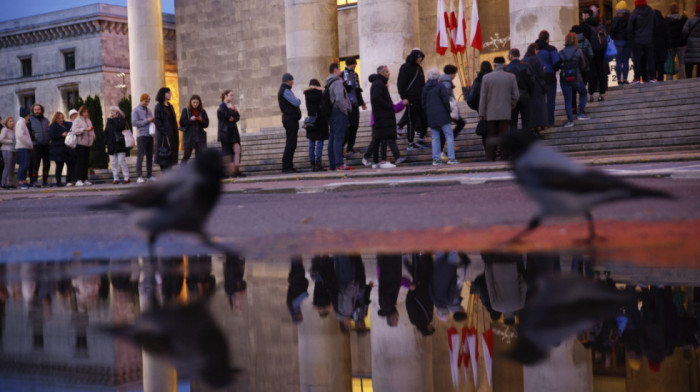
x,y
563,187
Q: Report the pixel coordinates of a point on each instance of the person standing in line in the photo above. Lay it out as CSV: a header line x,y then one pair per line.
x,y
390,268
475,93
384,121
23,147
71,176
675,22
641,30
499,96
573,62
339,111
166,130
9,155
447,78
193,121
594,30
58,130
538,101
291,114
662,43
526,85
39,128
228,135
85,133
620,37
116,144
549,56
319,132
410,84
691,31
142,118
587,51
351,81
436,100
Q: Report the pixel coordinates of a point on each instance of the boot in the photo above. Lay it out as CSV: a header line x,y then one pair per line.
x,y
313,166
319,166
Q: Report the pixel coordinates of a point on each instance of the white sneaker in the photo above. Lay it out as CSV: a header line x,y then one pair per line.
x,y
79,183
140,180
386,165
568,124
365,161
69,184
152,179
583,117
87,182
375,166
400,160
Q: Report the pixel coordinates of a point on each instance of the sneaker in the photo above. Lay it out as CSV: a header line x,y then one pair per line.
x,y
400,160
79,183
583,117
126,181
344,167
422,144
653,81
437,163
443,157
87,182
601,98
69,184
23,186
636,81
140,180
151,178
366,162
452,162
569,124
412,147
386,165
375,166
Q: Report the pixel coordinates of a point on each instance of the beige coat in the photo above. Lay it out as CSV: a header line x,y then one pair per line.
x,y
22,136
7,139
499,95
80,130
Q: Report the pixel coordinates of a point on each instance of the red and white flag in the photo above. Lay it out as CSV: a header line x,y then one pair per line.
x,y
472,347
455,354
453,28
475,34
461,39
487,344
442,40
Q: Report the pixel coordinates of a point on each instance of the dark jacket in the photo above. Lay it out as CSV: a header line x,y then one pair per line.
x,y
351,81
411,79
297,288
523,74
382,109
114,139
39,129
574,53
290,112
537,69
166,132
675,23
588,26
618,29
193,131
662,41
691,31
314,99
549,56
436,101
642,23
419,304
389,283
58,151
228,130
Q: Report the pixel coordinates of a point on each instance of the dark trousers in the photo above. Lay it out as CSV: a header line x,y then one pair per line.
x,y
646,53
496,129
597,75
40,158
351,132
59,171
145,148
376,143
522,108
188,152
689,70
82,160
415,121
292,130
70,166
551,97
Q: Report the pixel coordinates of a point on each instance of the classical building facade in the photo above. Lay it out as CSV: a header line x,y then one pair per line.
x,y
53,58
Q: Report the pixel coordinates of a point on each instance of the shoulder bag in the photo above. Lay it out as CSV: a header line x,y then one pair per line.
x,y
164,149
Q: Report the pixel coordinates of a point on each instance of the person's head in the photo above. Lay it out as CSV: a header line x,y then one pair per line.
x,y
571,40
227,96
514,54
24,112
195,102
594,9
384,71
531,50
288,79
433,74
485,68
621,5
163,95
576,29
544,36
114,111
9,122
351,63
315,83
83,112
675,8
460,315
499,62
36,110
640,3
334,69
587,13
72,114
57,118
450,70
417,55
145,100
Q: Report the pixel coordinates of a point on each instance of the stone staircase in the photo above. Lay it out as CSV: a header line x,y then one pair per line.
x,y
648,118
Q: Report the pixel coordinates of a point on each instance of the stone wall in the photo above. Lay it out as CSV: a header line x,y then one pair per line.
x,y
348,40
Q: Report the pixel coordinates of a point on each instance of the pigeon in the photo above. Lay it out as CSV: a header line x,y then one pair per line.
x,y
187,337
562,307
563,187
181,200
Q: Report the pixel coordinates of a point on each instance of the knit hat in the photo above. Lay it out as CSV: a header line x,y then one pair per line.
x,y
73,111
639,3
287,77
635,364
23,112
145,97
499,60
621,5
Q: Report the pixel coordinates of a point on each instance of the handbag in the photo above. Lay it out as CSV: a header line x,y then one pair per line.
x,y
610,51
152,129
481,128
129,141
670,65
71,140
163,150
310,122
454,110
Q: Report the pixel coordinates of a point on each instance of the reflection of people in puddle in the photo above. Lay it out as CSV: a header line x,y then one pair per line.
x,y
171,277
446,290
325,285
297,289
353,292
419,304
389,284
200,281
234,285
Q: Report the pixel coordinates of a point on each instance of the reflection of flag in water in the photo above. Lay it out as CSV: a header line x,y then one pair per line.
x,y
442,41
487,345
475,35
461,38
471,347
453,340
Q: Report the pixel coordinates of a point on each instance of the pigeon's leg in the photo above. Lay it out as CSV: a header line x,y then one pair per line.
x,y
534,223
591,228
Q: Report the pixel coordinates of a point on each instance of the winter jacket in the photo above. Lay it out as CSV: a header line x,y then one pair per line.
x,y
139,119
193,131
290,112
641,26
382,109
314,98
228,130
549,56
662,41
411,79
588,27
524,76
166,133
338,94
585,47
537,69
7,139
499,94
22,137
352,85
675,23
80,130
40,130
58,151
436,100
114,139
618,29
389,283
574,53
691,31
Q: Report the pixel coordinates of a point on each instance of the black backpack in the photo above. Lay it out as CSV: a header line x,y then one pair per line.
x,y
326,104
569,68
474,95
599,38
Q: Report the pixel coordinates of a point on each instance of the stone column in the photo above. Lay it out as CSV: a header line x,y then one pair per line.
x,y
146,54
324,353
388,30
401,357
312,40
528,18
568,368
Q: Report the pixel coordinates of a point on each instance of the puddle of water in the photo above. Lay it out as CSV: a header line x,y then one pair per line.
x,y
422,321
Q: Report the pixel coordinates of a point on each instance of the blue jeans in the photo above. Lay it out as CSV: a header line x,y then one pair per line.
x,y
339,121
567,90
315,150
23,160
622,60
449,137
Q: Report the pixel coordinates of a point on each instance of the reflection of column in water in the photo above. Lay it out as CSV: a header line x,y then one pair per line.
x,y
568,368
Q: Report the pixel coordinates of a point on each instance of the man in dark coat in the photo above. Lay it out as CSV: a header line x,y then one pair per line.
x,y
291,114
384,127
526,85
675,22
39,128
297,289
598,68
351,81
389,285
419,304
641,30
410,83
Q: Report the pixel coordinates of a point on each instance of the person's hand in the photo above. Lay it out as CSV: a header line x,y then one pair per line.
x,y
150,119
230,119
193,118
64,134
364,106
405,102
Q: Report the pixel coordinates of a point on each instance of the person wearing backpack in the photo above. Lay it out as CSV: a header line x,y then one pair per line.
x,y
641,29
526,85
337,109
587,51
549,55
598,70
572,63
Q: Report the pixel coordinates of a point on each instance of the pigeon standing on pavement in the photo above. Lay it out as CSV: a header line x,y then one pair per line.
x,y
563,187
180,200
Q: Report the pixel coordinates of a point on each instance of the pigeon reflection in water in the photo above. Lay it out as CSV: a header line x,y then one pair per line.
x,y
563,187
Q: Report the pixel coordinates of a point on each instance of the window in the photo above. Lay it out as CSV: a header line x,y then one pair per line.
x,y
27,99
69,93
26,66
343,3
69,58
